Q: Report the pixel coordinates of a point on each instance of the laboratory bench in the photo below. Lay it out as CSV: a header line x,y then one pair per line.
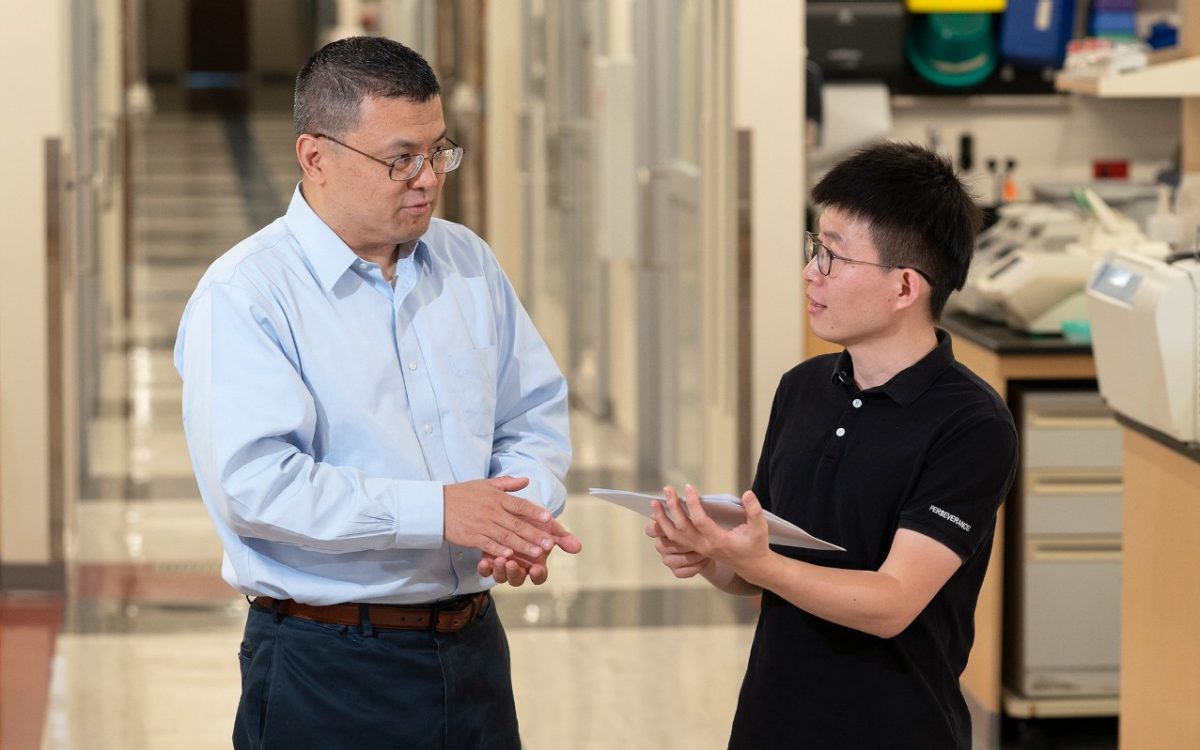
x,y
1160,608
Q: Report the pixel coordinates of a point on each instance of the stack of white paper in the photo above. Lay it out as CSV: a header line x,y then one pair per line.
x,y
726,511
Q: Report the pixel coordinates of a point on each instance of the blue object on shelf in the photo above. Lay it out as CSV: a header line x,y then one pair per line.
x,y
1162,35
1036,32
1114,22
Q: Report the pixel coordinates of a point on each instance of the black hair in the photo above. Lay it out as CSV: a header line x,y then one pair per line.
x,y
919,212
334,82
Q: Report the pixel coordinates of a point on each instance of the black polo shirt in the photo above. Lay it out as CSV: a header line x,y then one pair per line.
x,y
933,450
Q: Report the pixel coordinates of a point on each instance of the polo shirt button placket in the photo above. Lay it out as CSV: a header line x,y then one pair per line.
x,y
856,403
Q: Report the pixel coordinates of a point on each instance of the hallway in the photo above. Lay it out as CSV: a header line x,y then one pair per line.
x,y
611,652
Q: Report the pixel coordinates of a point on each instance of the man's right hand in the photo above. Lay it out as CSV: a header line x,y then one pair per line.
x,y
482,514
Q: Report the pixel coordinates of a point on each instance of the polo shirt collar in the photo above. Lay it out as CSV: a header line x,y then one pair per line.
x,y
908,384
327,255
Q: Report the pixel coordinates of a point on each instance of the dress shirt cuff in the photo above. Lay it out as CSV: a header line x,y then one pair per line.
x,y
419,510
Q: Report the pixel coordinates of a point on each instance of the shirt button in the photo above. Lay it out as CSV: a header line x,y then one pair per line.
x,y
856,403
428,429
412,365
840,431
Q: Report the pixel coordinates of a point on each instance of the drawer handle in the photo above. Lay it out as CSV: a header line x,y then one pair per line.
x,y
1046,421
1091,550
1076,485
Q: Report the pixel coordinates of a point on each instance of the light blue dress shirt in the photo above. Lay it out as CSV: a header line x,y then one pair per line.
x,y
326,409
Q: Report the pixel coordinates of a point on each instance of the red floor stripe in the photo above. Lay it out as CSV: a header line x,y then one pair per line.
x,y
28,630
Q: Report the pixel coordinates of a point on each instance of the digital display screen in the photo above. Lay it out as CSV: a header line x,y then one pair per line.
x,y
1117,282
1119,277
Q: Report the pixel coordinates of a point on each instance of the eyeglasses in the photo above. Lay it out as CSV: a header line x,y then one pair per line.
x,y
825,257
402,168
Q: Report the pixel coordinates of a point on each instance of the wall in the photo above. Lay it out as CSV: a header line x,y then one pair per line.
x,y
503,86
33,54
768,101
1053,138
166,39
282,36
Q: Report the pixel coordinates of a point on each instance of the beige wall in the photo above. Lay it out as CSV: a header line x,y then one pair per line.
x,y
769,102
33,78
503,86
1052,138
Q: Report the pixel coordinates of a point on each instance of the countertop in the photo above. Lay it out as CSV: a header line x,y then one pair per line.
x,y
1187,450
1001,339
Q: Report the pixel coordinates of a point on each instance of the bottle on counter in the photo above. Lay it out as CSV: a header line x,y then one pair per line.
x,y
1164,225
1187,208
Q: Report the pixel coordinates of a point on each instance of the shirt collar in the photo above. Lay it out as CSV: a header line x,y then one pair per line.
x,y
908,384
328,256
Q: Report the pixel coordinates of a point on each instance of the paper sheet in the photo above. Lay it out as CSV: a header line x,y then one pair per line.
x,y
726,511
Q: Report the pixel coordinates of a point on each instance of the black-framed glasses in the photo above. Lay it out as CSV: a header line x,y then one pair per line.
x,y
813,247
443,159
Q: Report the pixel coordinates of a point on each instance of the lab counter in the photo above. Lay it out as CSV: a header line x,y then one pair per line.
x,y
1190,451
1160,610
1000,339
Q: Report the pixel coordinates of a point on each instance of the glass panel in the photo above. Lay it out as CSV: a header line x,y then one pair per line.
x,y
684,373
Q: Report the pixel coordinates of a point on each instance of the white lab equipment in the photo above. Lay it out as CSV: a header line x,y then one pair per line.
x,y
1039,286
1041,226
1038,291
1145,318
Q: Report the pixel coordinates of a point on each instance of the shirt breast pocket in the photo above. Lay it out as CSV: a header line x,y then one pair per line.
x,y
474,372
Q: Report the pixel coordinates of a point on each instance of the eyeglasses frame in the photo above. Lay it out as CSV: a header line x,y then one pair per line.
x,y
421,158
814,242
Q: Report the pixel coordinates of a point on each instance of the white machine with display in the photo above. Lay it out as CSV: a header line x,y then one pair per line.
x,y
1145,315
1037,291
1036,282
1039,227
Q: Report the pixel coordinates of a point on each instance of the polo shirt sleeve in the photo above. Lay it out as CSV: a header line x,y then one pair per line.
x,y
967,475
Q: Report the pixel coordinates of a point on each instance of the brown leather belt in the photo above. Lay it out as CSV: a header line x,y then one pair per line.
x,y
449,616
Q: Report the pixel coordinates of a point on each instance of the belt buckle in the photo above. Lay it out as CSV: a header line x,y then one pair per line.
x,y
464,603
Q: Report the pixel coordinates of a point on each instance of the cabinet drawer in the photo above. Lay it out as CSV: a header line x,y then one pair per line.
x,y
1070,431
1071,617
1071,503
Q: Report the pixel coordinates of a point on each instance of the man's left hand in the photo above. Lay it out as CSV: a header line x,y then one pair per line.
x,y
515,570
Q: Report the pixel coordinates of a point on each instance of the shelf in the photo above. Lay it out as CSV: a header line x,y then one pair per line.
x,y
1177,78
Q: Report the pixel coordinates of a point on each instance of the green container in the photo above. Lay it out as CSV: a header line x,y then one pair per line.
x,y
954,50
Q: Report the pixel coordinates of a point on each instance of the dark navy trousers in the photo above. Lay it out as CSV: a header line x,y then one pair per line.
x,y
313,685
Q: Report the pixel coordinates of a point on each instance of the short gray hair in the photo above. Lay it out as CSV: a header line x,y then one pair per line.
x,y
332,85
